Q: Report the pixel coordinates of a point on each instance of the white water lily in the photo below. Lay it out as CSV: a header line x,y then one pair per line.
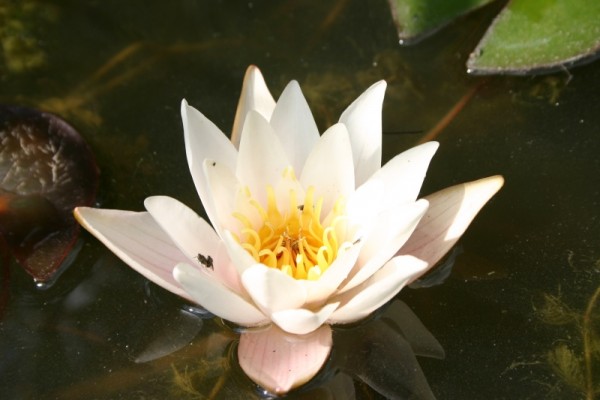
x,y
307,229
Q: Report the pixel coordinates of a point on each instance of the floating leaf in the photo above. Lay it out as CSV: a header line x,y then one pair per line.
x,y
46,169
528,36
537,35
416,19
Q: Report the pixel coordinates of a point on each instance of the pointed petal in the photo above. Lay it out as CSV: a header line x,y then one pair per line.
x,y
217,298
241,259
392,230
190,233
403,175
262,159
302,321
451,210
278,361
137,240
319,290
273,290
204,140
329,167
255,96
377,290
294,125
193,236
363,120
364,204
222,188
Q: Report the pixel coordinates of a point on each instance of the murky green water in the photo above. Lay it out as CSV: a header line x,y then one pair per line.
x,y
510,316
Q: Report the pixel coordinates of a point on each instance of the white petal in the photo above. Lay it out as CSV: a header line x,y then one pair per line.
x,y
278,361
365,204
193,236
137,240
377,290
451,210
287,185
223,186
302,321
320,289
255,96
363,120
392,229
403,175
329,167
273,290
217,298
241,259
262,159
190,233
204,140
294,125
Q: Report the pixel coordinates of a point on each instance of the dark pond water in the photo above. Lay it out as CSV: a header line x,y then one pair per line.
x,y
516,317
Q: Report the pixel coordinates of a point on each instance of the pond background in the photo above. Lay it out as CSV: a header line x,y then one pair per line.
x,y
537,243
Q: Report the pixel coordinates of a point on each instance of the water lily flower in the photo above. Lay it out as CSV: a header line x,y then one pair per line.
x,y
307,230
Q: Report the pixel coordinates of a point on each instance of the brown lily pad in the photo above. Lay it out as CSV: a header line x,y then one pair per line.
x,y
46,169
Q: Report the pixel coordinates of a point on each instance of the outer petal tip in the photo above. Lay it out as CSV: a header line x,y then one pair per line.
x,y
280,362
379,86
450,212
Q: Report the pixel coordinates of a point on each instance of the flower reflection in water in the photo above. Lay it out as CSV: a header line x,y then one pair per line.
x,y
380,353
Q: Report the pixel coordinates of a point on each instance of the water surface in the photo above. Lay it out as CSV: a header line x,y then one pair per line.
x,y
118,71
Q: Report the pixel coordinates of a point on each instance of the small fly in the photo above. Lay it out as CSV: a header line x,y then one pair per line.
x,y
206,261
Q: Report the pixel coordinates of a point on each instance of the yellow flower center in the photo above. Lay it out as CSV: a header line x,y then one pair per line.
x,y
296,241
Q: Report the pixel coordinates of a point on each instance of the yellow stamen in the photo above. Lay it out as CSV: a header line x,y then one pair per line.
x,y
294,239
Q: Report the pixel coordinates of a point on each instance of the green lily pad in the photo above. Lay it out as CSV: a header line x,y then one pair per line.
x,y
416,19
539,35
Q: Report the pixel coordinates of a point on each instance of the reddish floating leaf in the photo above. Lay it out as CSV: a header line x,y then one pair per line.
x,y
46,169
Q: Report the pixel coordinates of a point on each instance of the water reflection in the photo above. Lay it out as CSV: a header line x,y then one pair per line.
x,y
380,354
541,233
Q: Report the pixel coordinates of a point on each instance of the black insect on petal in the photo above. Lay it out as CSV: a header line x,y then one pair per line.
x,y
207,261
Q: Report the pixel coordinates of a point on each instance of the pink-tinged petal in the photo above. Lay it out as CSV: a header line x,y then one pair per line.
x,y
319,290
391,230
294,125
361,301
363,120
204,140
217,298
302,321
262,159
278,361
193,236
137,240
272,290
255,96
329,167
190,233
403,175
451,210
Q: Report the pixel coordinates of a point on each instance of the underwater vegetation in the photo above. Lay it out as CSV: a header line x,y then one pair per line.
x,y
575,359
